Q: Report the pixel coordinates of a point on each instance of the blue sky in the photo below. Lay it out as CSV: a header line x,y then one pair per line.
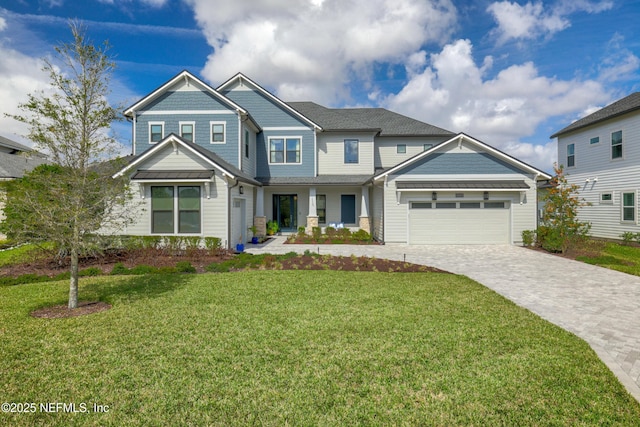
x,y
509,73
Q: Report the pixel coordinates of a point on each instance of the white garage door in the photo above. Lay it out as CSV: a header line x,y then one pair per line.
x,y
459,223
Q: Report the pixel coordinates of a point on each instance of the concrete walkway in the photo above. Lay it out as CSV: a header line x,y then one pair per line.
x,y
600,306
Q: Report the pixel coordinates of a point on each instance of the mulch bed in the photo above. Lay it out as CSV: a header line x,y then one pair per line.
x,y
63,311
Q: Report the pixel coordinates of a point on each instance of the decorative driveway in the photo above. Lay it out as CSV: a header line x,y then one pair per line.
x,y
599,305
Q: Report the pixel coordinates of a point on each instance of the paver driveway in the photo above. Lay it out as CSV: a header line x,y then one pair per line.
x,y
601,306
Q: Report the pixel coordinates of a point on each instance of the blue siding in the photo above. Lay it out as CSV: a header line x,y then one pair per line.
x,y
268,114
305,168
459,164
177,101
263,110
187,100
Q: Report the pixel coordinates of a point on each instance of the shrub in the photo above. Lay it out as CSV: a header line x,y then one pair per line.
x,y
361,236
119,269
91,271
528,237
316,232
151,242
550,239
213,245
344,233
627,237
302,231
185,267
331,232
143,269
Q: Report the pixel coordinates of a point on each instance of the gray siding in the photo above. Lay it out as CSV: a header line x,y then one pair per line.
x,y
331,154
459,163
186,100
307,155
377,213
386,154
615,176
263,110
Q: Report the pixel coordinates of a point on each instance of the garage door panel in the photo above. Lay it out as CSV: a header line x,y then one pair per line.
x,y
459,226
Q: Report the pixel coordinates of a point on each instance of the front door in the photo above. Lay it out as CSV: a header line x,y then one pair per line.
x,y
285,211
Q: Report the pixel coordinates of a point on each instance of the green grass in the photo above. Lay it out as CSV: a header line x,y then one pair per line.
x,y
20,254
616,257
300,348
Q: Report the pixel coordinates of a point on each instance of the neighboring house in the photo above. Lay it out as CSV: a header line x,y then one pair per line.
x,y
601,154
15,160
212,162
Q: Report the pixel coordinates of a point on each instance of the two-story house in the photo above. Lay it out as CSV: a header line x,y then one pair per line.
x,y
601,154
212,162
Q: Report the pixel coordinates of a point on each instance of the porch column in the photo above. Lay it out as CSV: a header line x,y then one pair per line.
x,y
259,220
364,220
312,217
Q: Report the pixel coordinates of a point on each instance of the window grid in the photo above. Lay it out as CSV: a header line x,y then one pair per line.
x,y
616,145
571,155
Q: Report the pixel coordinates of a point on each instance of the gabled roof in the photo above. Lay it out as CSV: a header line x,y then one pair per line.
x,y
381,120
187,76
16,165
213,159
623,106
8,143
241,78
458,139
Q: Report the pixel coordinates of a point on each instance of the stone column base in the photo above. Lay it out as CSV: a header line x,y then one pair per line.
x,y
312,221
261,224
365,224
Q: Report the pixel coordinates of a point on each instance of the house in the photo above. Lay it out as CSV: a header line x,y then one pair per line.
x,y
15,161
601,154
212,162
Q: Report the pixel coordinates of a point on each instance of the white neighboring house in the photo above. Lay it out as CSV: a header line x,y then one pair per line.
x,y
16,160
601,154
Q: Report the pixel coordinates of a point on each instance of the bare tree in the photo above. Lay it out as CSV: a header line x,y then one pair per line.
x,y
74,198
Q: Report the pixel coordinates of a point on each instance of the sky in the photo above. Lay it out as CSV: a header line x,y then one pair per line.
x,y
509,73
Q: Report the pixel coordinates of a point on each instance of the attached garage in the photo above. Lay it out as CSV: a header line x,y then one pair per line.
x,y
466,222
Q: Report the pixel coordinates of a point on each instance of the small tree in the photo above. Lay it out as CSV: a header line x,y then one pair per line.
x,y
561,227
70,200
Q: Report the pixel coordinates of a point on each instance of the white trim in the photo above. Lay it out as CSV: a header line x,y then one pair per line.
x,y
606,202
224,132
176,210
171,139
193,129
284,162
149,124
635,207
267,94
281,128
458,138
183,112
176,79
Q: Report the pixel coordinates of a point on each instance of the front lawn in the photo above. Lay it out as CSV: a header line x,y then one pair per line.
x,y
298,348
614,256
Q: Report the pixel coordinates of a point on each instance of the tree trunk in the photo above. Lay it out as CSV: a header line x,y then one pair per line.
x,y
73,281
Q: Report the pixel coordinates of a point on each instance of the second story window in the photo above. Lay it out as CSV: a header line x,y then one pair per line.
x,y
156,132
401,148
351,151
246,143
426,147
616,145
594,140
284,150
571,155
186,131
217,133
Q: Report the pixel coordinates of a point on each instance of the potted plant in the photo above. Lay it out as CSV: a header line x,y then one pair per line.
x,y
240,246
272,228
254,232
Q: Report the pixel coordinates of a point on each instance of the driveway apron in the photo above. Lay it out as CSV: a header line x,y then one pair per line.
x,y
599,305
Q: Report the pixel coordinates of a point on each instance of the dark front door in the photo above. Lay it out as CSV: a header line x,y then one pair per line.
x,y
285,211
348,208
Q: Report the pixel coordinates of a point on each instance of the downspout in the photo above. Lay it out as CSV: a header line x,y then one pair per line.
x,y
133,137
229,207
239,139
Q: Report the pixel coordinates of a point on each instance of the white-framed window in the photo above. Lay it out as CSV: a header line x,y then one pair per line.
x,y
426,147
285,150
321,208
218,132
628,206
246,143
401,148
176,209
606,198
156,132
571,155
351,154
188,131
595,140
616,145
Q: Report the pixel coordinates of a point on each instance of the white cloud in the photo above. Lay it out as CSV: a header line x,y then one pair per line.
x,y
533,20
452,91
21,75
307,49
3,23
